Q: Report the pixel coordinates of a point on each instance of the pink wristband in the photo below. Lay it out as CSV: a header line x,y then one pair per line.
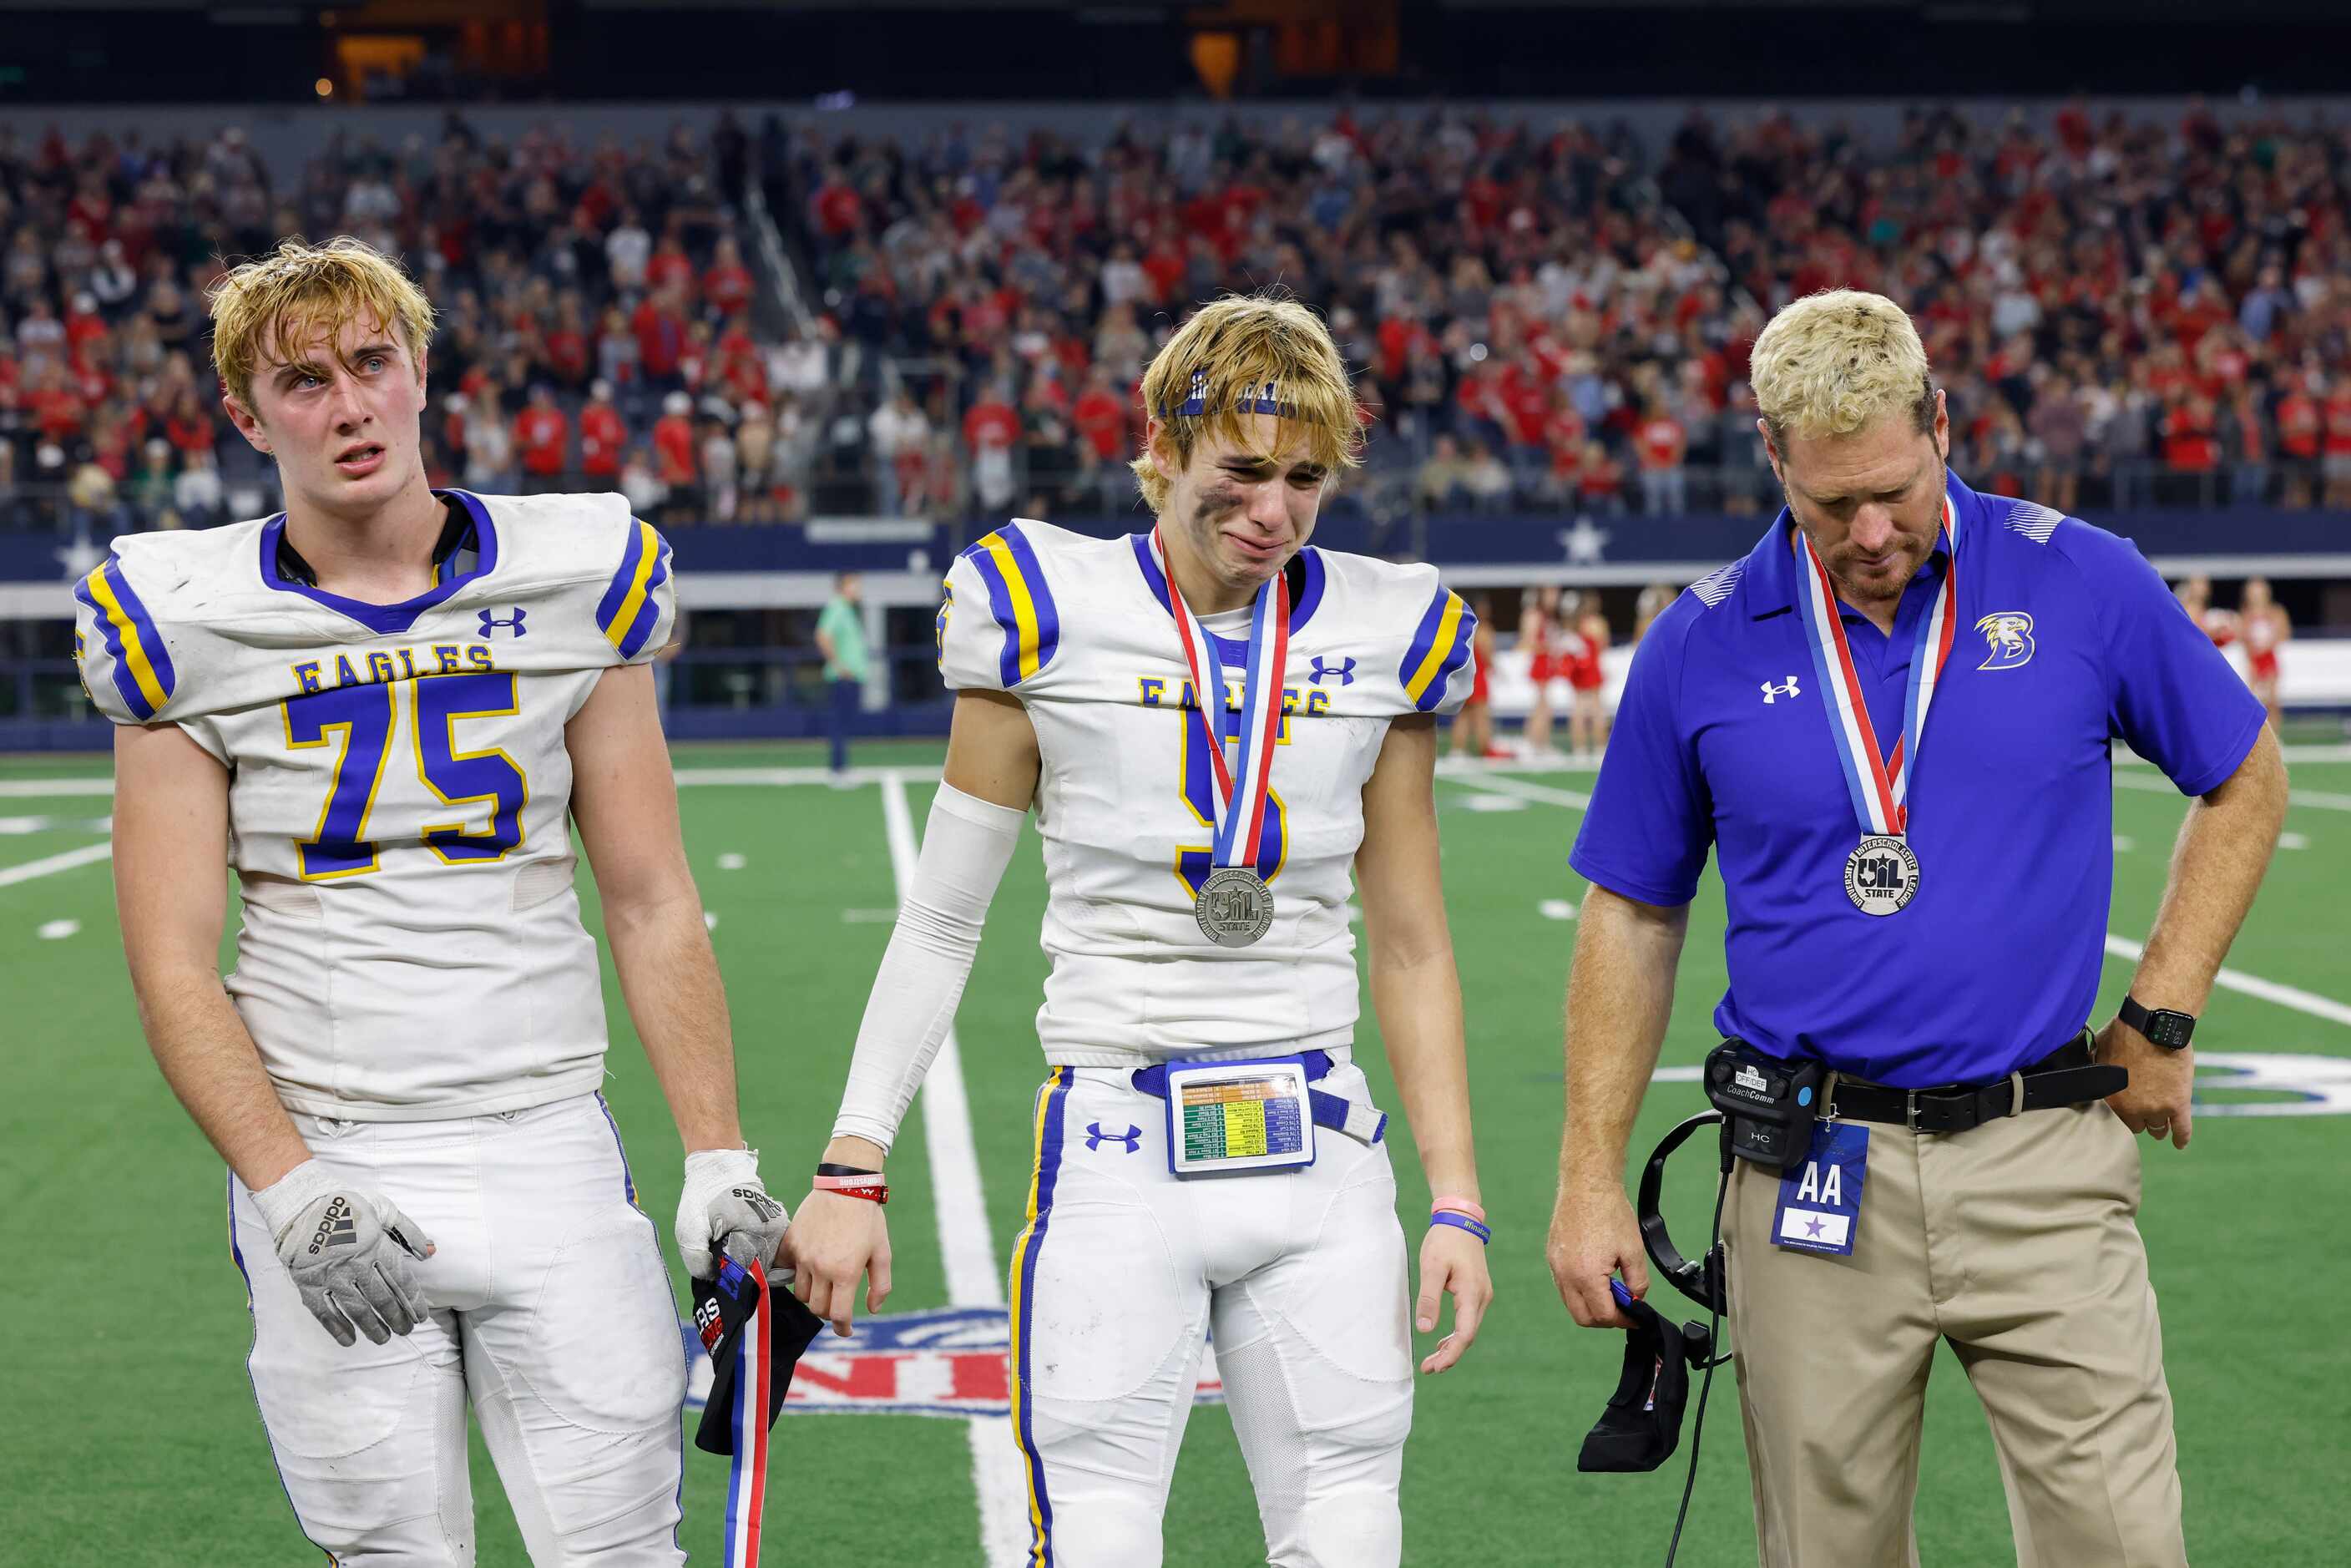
x,y
1458,1206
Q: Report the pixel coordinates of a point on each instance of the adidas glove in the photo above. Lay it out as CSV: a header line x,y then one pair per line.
x,y
347,1251
724,1208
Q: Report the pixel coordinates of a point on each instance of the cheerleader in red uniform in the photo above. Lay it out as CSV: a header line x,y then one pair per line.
x,y
2265,629
1588,639
1535,637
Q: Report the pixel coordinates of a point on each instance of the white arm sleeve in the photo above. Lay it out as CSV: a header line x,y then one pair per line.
x,y
966,846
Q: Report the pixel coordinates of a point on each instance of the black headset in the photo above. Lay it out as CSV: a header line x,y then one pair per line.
x,y
1702,1281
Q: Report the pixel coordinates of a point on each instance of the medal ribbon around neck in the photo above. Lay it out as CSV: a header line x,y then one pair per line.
x,y
1240,788
1880,785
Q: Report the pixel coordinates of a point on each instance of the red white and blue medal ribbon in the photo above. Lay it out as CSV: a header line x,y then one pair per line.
x,y
1241,787
1880,784
747,1478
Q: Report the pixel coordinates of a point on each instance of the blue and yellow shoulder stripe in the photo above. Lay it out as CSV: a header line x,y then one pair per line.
x,y
142,664
1020,600
629,608
1439,646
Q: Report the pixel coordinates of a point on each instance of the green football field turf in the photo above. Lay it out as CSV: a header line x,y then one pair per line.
x,y
130,1436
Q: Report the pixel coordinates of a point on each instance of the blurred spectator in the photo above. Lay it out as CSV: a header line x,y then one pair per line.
x,y
898,436
2337,443
2060,432
602,437
676,461
196,494
489,446
2301,427
1661,441
719,472
542,434
726,285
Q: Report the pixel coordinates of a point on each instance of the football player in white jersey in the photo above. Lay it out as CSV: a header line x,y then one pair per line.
x,y
386,708
1208,1157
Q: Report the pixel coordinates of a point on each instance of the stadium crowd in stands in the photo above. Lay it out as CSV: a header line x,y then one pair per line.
x,y
2127,311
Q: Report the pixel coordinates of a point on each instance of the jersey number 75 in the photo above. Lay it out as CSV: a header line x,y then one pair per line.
x,y
365,715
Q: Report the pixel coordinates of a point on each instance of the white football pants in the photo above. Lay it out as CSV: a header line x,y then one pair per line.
x,y
1122,1272
551,1311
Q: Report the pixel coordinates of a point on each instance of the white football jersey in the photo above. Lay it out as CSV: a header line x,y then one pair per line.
x,y
400,793
1080,630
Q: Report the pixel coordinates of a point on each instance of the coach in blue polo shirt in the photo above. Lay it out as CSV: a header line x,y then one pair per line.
x,y
1891,721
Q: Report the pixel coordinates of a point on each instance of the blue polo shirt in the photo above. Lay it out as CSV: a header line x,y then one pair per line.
x,y
1994,963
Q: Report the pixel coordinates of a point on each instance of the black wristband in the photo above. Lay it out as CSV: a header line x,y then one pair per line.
x,y
829,1168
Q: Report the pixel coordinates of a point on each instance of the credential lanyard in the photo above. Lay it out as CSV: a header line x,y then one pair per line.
x,y
1880,785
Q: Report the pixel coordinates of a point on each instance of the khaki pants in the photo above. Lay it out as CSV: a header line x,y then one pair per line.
x,y
2015,1241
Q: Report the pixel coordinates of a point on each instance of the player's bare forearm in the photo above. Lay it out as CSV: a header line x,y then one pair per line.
x,y
670,977
1620,993
171,852
2224,848
1416,989
1420,1011
624,800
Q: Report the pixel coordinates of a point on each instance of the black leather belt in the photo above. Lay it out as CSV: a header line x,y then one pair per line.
x,y
2066,1076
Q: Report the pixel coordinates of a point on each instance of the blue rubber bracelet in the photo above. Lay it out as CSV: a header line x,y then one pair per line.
x,y
1462,1222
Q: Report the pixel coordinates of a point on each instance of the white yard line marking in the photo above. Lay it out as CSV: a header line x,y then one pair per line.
x,y
730,861
11,827
2126,758
2293,842
2125,843
53,789
968,1256
2300,1000
1519,789
88,854
1556,909
770,775
1484,801
2323,799
57,930
869,916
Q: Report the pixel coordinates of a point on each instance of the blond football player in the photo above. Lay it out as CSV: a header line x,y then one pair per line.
x,y
1216,724
386,708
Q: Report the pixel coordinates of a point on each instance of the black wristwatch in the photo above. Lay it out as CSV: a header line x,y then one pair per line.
x,y
2167,1028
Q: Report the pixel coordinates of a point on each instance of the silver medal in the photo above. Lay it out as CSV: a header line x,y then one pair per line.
x,y
1235,907
1881,875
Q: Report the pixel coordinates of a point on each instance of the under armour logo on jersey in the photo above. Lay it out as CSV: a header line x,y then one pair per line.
x,y
490,621
1773,693
1096,1138
1344,670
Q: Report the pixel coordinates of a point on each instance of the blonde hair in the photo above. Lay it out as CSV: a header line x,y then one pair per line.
x,y
282,302
1240,356
1836,361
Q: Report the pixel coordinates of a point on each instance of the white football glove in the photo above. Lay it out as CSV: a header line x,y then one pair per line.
x,y
348,1250
724,1207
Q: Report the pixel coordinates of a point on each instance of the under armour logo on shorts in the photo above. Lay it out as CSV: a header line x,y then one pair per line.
x,y
1096,1138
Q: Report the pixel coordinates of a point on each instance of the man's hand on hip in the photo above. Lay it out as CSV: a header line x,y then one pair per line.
x,y
349,1252
2162,1083
726,1208
1594,1234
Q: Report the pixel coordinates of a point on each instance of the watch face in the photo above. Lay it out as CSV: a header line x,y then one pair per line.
x,y
2170,1030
